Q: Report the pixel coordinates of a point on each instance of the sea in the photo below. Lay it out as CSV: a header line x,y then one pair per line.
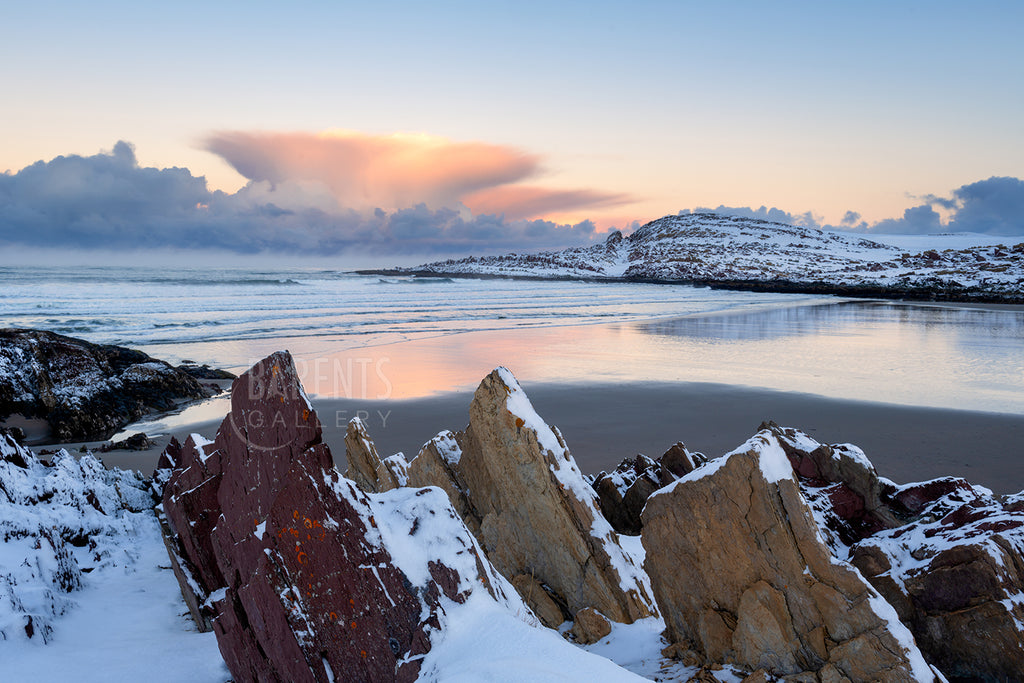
x,y
404,337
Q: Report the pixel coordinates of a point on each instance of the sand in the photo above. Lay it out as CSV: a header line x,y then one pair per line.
x,y
604,423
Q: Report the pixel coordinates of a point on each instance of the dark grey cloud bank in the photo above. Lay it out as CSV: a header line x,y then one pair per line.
x,y
994,207
107,201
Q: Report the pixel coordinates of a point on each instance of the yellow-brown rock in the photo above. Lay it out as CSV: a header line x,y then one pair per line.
x,y
740,570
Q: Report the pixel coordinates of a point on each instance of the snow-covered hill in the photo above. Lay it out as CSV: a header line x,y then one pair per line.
x,y
732,251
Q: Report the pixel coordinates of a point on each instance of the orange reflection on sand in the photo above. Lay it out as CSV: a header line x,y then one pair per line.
x,y
455,362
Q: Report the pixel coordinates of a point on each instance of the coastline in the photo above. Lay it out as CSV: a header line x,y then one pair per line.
x,y
605,422
910,294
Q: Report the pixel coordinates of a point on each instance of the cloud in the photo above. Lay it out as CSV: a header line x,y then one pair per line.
x,y
107,201
763,213
400,171
994,206
851,218
370,171
516,201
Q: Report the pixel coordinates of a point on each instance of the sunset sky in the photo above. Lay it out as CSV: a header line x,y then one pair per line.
x,y
349,116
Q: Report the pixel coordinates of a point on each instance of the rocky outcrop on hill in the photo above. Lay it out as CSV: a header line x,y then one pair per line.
x,y
746,253
743,576
58,522
85,390
309,577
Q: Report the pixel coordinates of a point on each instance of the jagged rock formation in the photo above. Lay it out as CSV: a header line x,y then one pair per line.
x,y
57,522
947,555
746,253
742,574
84,390
309,577
623,492
520,491
956,577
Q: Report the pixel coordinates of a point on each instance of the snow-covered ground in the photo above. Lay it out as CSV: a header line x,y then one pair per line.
x,y
86,591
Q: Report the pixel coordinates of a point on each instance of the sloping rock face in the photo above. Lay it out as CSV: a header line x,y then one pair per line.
x,y
537,514
518,489
956,577
57,522
741,573
310,578
85,390
842,486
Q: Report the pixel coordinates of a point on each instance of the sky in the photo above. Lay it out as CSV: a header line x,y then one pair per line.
x,y
452,127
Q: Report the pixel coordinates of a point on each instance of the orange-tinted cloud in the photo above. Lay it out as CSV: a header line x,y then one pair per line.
x,y
517,201
371,171
399,171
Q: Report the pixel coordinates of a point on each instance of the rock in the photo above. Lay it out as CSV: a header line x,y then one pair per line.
x,y
788,605
135,442
956,576
758,676
307,574
840,483
204,371
371,473
623,492
677,462
590,626
538,600
83,390
437,464
537,514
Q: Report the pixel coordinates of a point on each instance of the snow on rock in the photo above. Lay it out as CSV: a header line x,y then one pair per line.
x,y
737,251
537,513
321,577
955,575
742,575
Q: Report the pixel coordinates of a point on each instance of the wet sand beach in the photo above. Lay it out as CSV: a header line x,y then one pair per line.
x,y
603,423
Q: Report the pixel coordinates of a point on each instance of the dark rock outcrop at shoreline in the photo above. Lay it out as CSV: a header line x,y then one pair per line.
x,y
84,390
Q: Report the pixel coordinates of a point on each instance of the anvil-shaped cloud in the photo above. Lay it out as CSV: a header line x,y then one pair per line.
x,y
398,171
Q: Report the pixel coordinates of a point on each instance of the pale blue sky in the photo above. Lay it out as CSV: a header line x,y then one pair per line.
x,y
808,106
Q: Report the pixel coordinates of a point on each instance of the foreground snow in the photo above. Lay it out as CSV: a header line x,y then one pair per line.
x,y
128,623
86,593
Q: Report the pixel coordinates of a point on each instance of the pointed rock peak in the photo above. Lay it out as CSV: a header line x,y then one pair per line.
x,y
500,389
361,455
270,411
538,513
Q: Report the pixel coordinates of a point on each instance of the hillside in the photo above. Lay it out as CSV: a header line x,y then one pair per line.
x,y
735,252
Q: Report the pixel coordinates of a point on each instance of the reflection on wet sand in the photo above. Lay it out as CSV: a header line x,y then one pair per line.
x,y
906,354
